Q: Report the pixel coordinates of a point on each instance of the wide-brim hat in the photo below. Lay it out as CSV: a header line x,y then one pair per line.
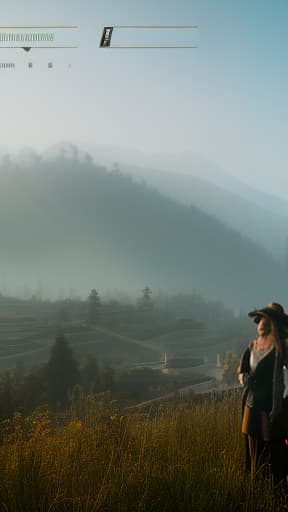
x,y
273,311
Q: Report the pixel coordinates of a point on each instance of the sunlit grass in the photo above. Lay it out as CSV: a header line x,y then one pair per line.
x,y
182,457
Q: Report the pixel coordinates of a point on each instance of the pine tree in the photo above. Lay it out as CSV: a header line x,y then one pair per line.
x,y
145,302
94,306
62,372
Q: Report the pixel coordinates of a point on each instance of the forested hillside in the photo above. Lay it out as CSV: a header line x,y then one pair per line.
x,y
67,223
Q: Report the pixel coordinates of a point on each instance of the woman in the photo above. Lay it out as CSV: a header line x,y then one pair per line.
x,y
261,374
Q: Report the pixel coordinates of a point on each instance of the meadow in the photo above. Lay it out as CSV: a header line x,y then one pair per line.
x,y
182,456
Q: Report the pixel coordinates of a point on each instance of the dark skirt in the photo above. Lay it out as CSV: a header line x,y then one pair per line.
x,y
256,424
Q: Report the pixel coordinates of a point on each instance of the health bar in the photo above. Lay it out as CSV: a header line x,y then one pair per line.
x,y
147,36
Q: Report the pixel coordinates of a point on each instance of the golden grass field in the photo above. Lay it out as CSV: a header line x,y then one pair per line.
x,y
180,457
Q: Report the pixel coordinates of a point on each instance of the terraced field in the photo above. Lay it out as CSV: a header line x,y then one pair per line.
x,y
28,330
28,339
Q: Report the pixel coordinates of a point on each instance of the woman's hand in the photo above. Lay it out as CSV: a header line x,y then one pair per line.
x,y
243,379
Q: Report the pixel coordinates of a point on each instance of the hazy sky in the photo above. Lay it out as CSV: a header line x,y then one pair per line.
x,y
226,100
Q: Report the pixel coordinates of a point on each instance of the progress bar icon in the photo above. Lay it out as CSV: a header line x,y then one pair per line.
x,y
147,36
38,37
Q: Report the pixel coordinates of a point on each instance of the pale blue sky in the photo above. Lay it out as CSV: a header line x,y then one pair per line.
x,y
226,100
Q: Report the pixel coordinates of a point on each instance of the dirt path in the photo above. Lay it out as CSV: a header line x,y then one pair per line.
x,y
140,343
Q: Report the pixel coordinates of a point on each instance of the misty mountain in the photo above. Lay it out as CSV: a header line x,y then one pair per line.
x,y
186,163
265,227
67,223
191,179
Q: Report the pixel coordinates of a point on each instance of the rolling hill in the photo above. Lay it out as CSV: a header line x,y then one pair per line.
x,y
68,223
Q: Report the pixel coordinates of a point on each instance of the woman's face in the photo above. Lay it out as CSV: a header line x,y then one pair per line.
x,y
264,326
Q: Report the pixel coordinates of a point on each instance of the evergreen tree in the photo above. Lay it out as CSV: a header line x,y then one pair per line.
x,y
145,302
62,372
94,306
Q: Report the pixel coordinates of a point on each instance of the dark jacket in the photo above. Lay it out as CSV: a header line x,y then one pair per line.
x,y
265,386
260,384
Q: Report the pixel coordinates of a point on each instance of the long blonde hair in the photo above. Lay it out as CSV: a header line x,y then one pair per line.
x,y
279,336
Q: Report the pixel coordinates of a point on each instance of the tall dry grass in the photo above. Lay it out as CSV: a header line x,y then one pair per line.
x,y
182,457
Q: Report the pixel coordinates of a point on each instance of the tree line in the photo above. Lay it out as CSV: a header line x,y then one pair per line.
x,y
54,384
51,383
